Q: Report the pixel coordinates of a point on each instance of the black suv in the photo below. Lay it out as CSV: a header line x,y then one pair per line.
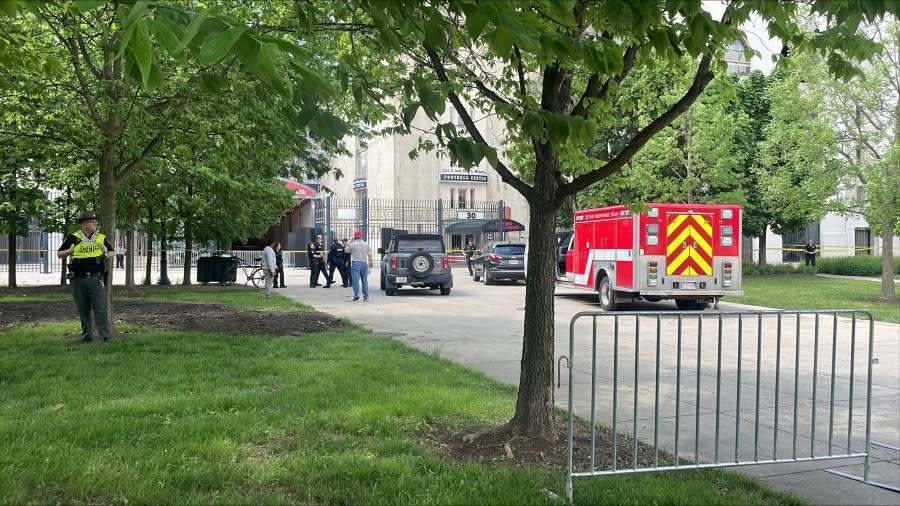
x,y
417,260
500,260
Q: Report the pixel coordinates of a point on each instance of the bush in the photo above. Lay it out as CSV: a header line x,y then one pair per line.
x,y
753,269
841,266
854,266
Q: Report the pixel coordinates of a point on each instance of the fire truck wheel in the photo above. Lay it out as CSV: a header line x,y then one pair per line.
x,y
607,296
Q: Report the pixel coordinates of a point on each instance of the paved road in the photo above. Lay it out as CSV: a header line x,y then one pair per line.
x,y
481,327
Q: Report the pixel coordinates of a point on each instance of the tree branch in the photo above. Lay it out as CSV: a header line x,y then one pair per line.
x,y
701,80
121,174
505,174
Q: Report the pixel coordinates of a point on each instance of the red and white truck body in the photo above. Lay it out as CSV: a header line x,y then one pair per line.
x,y
687,252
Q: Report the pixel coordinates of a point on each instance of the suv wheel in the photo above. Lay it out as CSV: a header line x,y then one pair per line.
x,y
390,292
475,275
382,280
421,263
487,277
445,290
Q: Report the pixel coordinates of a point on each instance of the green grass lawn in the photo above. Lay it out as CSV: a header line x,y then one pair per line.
x,y
177,418
798,291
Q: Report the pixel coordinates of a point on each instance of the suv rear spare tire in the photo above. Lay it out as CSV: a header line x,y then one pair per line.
x,y
421,263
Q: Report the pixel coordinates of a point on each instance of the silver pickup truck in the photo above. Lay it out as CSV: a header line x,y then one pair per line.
x,y
415,260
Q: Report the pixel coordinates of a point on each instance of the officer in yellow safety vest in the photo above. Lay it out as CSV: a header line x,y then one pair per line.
x,y
87,274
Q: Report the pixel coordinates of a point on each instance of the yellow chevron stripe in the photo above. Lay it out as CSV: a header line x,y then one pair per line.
x,y
675,223
701,263
673,266
700,220
686,233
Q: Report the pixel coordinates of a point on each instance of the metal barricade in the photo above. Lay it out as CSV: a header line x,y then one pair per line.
x,y
732,387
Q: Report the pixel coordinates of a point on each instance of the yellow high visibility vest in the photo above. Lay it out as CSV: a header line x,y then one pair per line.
x,y
88,247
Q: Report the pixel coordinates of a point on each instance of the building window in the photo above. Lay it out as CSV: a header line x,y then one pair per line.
x,y
362,164
737,59
461,195
863,241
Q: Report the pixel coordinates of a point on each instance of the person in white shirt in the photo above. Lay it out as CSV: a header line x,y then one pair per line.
x,y
269,267
360,261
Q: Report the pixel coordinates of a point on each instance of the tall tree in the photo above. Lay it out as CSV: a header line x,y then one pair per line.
x,y
868,121
553,73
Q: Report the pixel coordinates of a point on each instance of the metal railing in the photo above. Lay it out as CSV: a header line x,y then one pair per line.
x,y
732,387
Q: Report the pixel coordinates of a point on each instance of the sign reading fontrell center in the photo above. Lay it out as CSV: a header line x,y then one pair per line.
x,y
463,177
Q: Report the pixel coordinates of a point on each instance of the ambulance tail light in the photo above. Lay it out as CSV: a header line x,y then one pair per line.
x,y
726,273
652,274
726,233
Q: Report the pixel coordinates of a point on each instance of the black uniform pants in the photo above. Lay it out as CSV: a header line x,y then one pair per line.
x,y
89,295
279,274
316,266
811,258
342,269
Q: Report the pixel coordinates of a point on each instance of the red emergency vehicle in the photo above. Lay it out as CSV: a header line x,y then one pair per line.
x,y
687,252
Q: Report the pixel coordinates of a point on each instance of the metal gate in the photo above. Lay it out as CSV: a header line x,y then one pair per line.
x,y
723,389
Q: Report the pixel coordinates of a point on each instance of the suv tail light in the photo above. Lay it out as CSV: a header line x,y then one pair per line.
x,y
393,263
495,258
446,262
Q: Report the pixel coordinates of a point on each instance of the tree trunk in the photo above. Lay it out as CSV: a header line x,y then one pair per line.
x,y
148,269
887,258
11,259
762,245
108,219
129,259
535,402
188,253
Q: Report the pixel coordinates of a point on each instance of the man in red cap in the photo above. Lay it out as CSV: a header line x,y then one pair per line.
x,y
360,262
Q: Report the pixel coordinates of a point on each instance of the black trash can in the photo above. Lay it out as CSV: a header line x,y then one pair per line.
x,y
204,269
217,269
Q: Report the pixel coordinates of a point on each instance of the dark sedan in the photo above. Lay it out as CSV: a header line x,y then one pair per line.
x,y
500,260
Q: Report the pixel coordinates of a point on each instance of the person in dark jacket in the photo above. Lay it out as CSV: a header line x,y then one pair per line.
x,y
315,251
810,252
470,250
337,259
279,263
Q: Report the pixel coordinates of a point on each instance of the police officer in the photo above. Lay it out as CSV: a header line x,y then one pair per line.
x,y
470,255
810,252
337,259
87,272
315,252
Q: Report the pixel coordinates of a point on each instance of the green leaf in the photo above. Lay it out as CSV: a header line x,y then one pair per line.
x,y
259,59
409,113
212,83
167,33
491,154
533,124
502,41
475,20
80,5
143,52
217,45
558,128
135,12
192,30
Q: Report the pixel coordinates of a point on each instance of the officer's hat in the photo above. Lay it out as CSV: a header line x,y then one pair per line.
x,y
86,215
